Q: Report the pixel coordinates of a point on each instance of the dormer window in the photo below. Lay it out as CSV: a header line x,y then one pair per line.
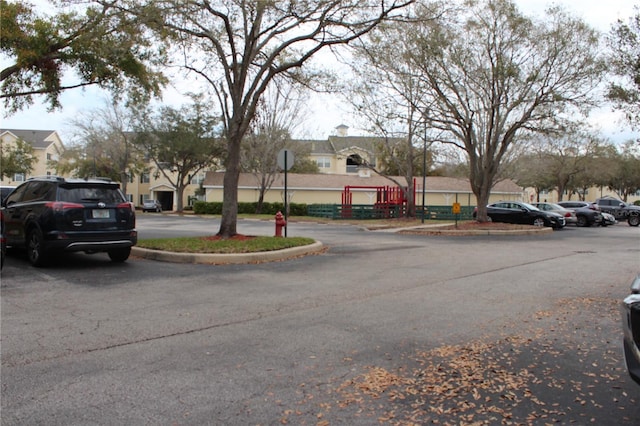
x,y
353,162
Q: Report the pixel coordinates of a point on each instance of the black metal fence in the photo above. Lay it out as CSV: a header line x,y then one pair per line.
x,y
368,211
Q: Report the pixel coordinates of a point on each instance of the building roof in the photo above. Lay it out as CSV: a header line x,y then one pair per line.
x,y
323,181
336,144
39,139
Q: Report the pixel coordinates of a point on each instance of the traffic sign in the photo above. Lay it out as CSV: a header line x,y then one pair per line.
x,y
285,159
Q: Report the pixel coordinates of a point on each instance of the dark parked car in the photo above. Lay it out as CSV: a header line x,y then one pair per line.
x,y
620,210
51,214
587,214
151,206
523,213
3,241
631,328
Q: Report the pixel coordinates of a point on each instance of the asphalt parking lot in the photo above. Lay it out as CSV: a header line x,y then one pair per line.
x,y
379,329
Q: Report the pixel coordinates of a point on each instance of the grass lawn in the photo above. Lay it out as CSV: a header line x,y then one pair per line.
x,y
237,244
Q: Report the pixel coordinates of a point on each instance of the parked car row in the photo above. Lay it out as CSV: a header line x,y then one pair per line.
x,y
523,213
557,215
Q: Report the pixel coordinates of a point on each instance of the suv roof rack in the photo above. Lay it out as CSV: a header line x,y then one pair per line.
x,y
49,177
102,178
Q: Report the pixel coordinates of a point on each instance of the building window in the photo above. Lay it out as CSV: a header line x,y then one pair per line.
x,y
18,177
323,162
197,179
353,162
144,177
49,156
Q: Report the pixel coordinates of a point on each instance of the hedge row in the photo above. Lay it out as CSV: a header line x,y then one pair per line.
x,y
205,207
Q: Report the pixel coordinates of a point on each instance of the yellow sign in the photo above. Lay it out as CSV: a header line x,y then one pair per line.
x,y
456,208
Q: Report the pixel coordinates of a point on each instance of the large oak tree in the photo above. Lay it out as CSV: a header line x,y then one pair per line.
x,y
495,75
239,46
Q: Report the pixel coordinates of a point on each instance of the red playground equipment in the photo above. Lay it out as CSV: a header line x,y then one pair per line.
x,y
391,201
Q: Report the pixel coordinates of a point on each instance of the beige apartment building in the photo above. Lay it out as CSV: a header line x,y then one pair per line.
x,y
337,158
47,147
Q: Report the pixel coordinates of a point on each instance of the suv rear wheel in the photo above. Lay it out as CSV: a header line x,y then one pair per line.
x,y
119,255
35,250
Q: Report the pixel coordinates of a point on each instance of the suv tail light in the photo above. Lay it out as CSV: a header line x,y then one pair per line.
x,y
127,205
59,206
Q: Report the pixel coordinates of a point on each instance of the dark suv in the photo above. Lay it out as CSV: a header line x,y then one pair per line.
x,y
57,214
620,210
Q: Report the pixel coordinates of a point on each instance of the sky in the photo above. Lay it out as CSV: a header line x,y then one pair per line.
x,y
325,111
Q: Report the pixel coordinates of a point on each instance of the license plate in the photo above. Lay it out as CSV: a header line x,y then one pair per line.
x,y
101,214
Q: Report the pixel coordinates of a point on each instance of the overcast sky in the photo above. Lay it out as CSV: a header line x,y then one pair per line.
x,y
328,114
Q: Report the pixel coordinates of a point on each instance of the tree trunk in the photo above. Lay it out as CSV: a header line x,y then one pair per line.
x,y
481,184
228,221
179,195
483,200
260,202
411,200
124,180
560,192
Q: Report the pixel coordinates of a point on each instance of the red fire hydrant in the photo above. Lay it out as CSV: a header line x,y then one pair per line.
x,y
280,223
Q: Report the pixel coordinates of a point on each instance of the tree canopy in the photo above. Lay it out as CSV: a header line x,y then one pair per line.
x,y
104,146
624,41
16,159
50,54
180,141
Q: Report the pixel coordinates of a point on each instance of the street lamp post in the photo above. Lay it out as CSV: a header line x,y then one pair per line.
x,y
424,168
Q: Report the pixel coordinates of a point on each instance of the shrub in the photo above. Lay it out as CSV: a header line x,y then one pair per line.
x,y
204,207
215,208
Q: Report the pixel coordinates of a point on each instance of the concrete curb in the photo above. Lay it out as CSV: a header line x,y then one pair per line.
x,y
469,232
219,259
